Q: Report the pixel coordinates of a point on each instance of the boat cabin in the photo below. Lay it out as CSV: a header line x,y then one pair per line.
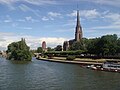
x,y
112,64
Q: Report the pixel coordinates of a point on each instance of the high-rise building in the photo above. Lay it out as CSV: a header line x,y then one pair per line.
x,y
44,46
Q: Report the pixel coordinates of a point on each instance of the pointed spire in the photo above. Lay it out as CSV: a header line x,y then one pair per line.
x,y
78,33
78,18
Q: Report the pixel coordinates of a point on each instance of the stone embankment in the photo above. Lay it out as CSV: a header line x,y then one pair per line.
x,y
76,61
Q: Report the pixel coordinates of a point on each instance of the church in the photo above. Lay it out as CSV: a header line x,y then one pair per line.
x,y
78,35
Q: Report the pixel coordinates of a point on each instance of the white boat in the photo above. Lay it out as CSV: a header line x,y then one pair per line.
x,y
112,65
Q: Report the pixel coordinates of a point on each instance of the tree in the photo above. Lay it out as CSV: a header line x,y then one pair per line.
x,y
58,48
19,51
77,46
104,46
49,49
39,50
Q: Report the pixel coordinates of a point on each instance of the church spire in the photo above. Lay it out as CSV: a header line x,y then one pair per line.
x,y
78,33
78,18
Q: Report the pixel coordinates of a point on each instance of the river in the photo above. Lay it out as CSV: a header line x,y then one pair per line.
x,y
43,75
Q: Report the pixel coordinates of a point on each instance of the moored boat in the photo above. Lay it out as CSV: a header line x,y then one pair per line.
x,y
112,65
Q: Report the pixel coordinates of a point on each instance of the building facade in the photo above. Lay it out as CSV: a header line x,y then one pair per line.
x,y
78,34
44,46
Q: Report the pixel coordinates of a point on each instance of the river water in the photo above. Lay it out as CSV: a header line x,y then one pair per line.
x,y
43,75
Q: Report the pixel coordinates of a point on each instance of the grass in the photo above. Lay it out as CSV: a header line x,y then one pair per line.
x,y
82,59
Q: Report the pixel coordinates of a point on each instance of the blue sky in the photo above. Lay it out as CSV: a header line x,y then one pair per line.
x,y
54,20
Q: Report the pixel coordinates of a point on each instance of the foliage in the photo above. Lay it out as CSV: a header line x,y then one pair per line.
x,y
58,48
19,51
39,50
104,46
33,51
70,58
64,53
49,49
77,46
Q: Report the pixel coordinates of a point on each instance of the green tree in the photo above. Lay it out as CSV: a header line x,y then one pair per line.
x,y
77,46
58,48
104,46
19,51
39,50
49,49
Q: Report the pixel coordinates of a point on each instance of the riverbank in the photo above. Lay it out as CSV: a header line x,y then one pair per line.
x,y
76,61
96,64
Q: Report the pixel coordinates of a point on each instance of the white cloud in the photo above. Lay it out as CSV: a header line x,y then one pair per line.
x,y
86,13
7,1
7,21
21,20
24,8
27,28
34,2
32,41
113,17
115,3
89,13
6,34
54,14
107,27
45,18
51,16
30,19
41,2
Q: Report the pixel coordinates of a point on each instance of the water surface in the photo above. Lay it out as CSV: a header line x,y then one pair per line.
x,y
43,75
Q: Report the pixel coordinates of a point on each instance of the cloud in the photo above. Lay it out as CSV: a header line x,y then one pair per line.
x,y
32,41
51,16
113,17
45,18
25,8
107,27
41,2
27,28
6,34
7,19
34,2
21,20
29,18
11,3
54,14
86,13
115,3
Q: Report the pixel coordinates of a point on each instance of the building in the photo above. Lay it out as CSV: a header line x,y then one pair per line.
x,y
44,46
66,46
78,34
78,31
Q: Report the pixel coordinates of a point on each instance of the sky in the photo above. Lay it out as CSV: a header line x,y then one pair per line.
x,y
54,21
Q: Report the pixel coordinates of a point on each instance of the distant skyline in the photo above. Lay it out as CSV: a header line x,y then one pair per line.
x,y
54,21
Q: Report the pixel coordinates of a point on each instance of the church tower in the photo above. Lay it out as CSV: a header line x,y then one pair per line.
x,y
78,31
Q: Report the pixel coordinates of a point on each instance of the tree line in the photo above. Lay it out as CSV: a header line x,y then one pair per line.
x,y
107,45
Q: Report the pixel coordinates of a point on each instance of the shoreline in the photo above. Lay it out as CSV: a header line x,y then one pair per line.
x,y
94,65
76,61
